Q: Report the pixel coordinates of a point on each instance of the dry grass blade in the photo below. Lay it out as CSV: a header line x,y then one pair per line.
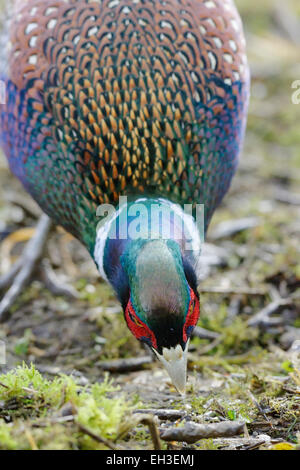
x,y
98,438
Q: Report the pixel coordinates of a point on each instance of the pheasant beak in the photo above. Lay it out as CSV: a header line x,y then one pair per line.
x,y
175,362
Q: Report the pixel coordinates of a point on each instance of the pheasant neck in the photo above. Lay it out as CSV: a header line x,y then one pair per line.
x,y
146,219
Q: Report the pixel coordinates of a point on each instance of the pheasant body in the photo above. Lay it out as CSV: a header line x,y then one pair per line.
x,y
119,97
124,97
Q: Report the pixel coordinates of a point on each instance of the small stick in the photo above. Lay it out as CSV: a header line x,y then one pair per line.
x,y
262,317
25,203
229,228
287,22
32,253
255,445
142,418
233,291
259,408
97,438
163,414
212,345
30,390
53,284
150,422
202,333
192,432
286,196
125,365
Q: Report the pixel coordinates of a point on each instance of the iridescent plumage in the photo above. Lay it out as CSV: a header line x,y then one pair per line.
x,y
119,97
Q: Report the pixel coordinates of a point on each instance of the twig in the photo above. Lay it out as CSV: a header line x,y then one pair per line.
x,y
125,365
287,22
51,370
97,438
262,317
192,432
286,197
233,291
53,284
211,346
141,418
255,445
162,414
259,408
30,390
150,422
25,203
229,228
198,361
202,333
54,420
32,253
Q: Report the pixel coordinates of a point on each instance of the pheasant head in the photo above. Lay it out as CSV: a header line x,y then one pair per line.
x,y
162,307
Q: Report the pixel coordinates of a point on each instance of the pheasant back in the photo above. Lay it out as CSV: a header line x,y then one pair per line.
x,y
119,97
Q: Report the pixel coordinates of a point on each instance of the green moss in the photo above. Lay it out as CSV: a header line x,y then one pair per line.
x,y
207,444
26,380
198,403
7,441
27,394
22,345
100,413
236,337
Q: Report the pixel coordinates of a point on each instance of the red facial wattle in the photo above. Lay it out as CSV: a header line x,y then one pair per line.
x,y
143,333
192,316
138,328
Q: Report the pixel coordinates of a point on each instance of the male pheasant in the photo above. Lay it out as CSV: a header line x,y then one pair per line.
x,y
139,98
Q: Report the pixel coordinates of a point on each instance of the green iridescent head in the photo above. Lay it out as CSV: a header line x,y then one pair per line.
x,y
163,305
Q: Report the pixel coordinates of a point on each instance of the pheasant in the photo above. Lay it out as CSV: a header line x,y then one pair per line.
x,y
118,107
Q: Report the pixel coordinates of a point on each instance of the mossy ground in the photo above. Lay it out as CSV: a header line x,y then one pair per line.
x,y
247,373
